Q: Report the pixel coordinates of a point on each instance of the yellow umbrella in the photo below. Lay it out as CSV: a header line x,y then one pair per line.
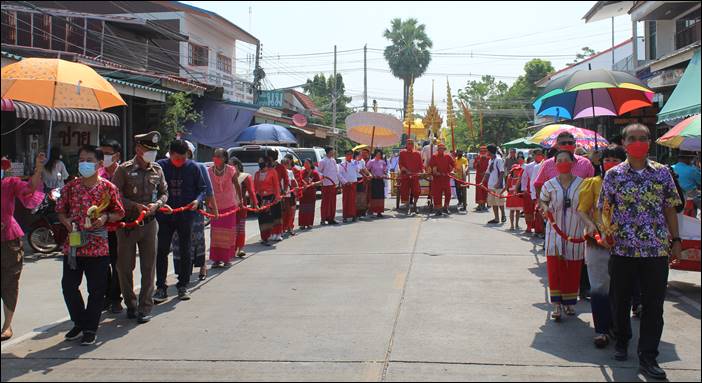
x,y
374,129
57,83
360,147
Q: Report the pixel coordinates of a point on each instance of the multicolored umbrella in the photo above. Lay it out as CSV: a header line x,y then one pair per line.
x,y
683,136
592,93
548,136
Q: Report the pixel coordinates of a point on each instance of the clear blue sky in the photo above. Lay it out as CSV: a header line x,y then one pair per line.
x,y
531,29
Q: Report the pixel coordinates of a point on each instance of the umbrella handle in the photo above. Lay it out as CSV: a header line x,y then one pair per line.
x,y
372,139
48,141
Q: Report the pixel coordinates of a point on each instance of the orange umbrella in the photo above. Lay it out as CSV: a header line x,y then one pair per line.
x,y
57,83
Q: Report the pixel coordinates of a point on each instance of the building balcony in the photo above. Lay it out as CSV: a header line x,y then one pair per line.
x,y
688,36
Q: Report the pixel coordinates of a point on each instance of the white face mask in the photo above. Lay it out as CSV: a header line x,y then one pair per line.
x,y
108,160
149,156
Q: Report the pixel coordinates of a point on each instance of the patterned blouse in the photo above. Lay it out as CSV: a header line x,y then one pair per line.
x,y
75,201
638,201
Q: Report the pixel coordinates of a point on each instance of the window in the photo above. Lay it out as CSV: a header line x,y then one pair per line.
x,y
651,40
42,31
24,29
197,55
687,29
224,63
9,27
76,35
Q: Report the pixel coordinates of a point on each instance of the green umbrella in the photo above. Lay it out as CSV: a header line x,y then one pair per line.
x,y
521,143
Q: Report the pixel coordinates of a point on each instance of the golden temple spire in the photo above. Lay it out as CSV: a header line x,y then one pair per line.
x,y
433,120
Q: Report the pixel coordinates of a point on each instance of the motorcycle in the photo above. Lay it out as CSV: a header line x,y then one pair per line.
x,y
47,234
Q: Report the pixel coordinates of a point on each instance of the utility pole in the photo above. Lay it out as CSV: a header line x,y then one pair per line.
x,y
365,79
334,92
612,42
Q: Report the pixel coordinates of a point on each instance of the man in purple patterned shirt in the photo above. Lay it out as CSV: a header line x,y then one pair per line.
x,y
642,196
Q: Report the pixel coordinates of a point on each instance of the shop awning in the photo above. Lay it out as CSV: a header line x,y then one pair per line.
x,y
77,116
685,100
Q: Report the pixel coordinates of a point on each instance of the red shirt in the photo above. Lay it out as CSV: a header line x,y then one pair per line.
x,y
283,176
75,201
412,161
267,185
444,164
480,164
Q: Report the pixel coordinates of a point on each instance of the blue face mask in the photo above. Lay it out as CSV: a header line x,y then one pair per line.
x,y
86,169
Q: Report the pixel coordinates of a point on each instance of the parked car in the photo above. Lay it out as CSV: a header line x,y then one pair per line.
x,y
249,155
314,154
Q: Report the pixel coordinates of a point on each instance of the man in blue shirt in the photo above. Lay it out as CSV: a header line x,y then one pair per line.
x,y
186,188
688,175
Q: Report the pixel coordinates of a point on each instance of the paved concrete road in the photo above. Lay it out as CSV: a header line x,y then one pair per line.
x,y
396,299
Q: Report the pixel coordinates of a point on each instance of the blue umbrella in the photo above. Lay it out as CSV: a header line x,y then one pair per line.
x,y
266,134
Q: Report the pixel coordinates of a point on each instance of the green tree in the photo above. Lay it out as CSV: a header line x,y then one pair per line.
x,y
507,110
320,88
179,111
408,55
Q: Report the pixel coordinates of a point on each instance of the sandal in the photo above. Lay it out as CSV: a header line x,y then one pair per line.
x,y
494,221
7,334
601,341
570,310
203,273
557,314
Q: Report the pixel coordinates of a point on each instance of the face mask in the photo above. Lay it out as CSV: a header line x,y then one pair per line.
x,y
149,156
177,162
441,152
86,169
609,164
349,158
218,161
307,167
261,165
410,148
520,162
539,158
108,160
638,150
567,148
564,167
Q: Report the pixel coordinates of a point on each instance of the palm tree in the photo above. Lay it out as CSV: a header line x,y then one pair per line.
x,y
408,56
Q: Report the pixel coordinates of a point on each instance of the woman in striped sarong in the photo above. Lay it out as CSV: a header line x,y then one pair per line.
x,y
227,192
560,196
378,168
309,196
247,193
267,186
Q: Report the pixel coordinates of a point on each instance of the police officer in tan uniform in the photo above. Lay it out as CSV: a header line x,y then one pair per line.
x,y
142,186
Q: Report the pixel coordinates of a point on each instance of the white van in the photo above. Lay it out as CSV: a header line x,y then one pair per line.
x,y
249,155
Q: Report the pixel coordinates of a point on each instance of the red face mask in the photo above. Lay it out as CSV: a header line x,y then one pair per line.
x,y
609,164
539,158
177,162
349,158
307,166
6,164
521,162
218,161
564,167
638,150
568,148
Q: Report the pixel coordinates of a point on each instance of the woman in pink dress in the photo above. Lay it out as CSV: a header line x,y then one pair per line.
x,y
227,192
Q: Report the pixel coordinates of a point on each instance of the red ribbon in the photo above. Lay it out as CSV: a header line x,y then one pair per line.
x,y
562,234
486,189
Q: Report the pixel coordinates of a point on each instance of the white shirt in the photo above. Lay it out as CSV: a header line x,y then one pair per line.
x,y
531,170
348,171
499,167
329,168
56,177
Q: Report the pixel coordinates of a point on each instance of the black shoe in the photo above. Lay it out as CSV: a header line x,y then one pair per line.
x,y
89,338
652,370
344,220
131,314
160,296
183,294
333,222
438,214
621,354
143,318
492,222
116,308
504,219
75,334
